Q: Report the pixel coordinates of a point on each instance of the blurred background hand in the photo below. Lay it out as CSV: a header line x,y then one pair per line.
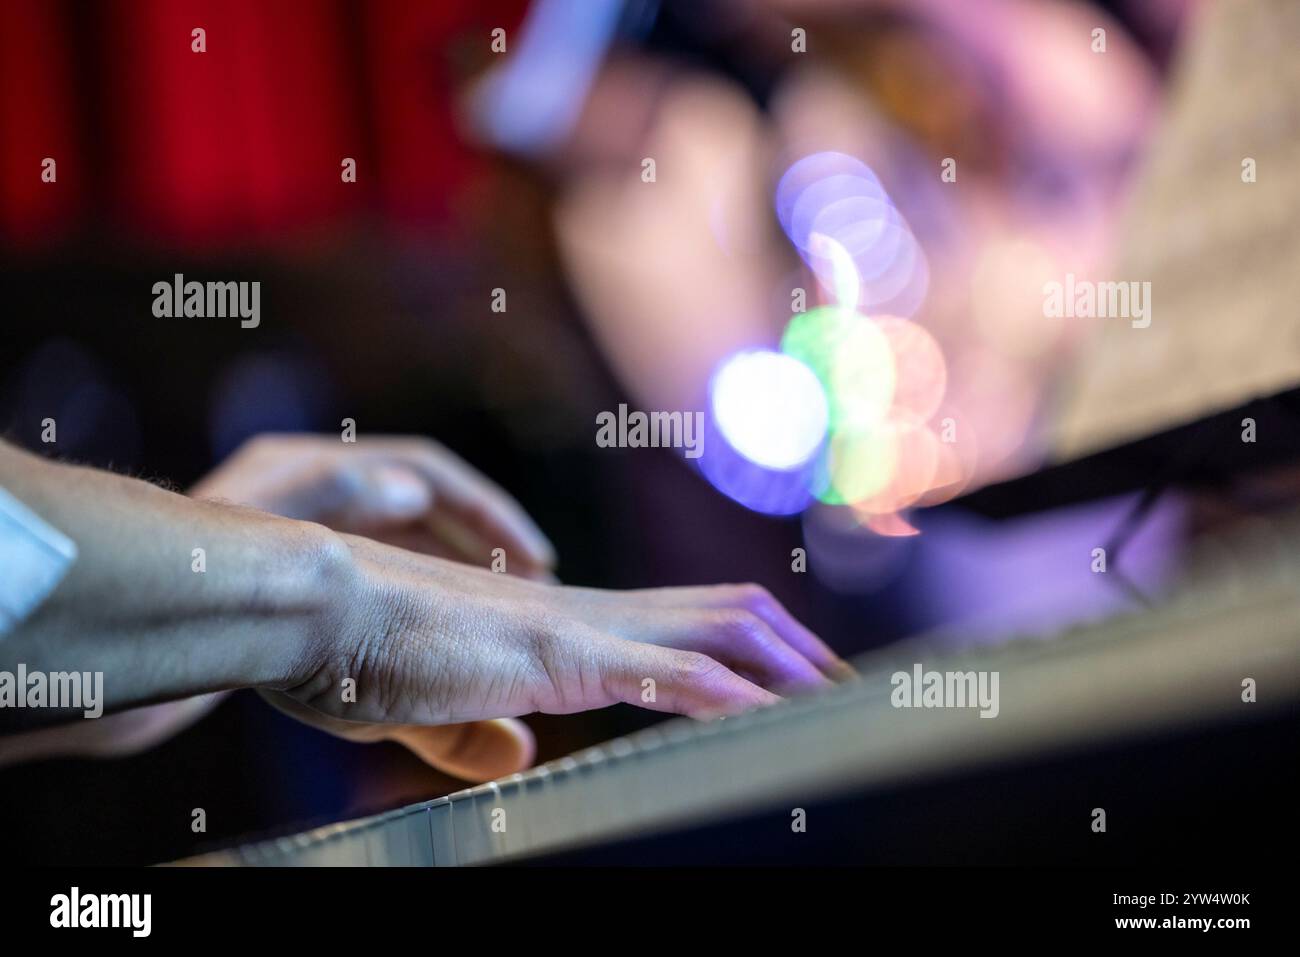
x,y
404,491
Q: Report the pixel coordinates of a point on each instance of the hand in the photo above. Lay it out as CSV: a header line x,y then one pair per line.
x,y
408,491
405,491
427,642
111,736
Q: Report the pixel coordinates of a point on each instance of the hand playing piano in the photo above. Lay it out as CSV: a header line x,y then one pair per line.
x,y
441,656
406,491
429,644
444,656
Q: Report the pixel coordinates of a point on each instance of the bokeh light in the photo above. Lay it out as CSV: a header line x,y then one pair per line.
x,y
835,211
873,447
858,466
850,175
913,450
921,375
770,407
851,358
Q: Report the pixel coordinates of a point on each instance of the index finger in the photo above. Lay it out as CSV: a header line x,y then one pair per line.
x,y
474,500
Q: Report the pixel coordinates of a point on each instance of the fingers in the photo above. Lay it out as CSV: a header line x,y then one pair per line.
x,y
758,601
679,682
468,520
383,480
475,751
351,495
378,494
469,545
495,520
745,643
761,602
115,735
477,503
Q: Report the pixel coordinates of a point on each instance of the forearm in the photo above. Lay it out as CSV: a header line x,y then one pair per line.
x,y
159,619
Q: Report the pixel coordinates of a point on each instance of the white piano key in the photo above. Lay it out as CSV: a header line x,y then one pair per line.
x,y
296,848
494,822
419,836
563,801
468,829
442,834
351,847
657,778
537,827
620,748
604,794
318,845
370,841
280,853
620,758
386,841
708,779
516,840
649,783
679,731
253,855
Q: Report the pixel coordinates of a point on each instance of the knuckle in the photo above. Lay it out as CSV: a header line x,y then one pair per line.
x,y
693,667
739,624
755,597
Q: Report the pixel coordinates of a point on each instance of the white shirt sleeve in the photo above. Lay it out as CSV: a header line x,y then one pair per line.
x,y
34,557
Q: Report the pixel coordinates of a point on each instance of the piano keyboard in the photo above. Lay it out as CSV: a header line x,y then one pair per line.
x,y
1181,663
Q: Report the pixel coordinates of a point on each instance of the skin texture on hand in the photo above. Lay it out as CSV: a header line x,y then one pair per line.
x,y
413,493
405,490
429,641
426,642
445,655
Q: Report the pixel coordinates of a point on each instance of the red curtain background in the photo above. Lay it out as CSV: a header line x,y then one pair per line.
x,y
245,141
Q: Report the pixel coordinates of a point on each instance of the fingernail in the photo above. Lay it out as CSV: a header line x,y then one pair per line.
x,y
543,550
841,670
402,492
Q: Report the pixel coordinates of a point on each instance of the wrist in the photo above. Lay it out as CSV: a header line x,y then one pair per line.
x,y
349,634
318,597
